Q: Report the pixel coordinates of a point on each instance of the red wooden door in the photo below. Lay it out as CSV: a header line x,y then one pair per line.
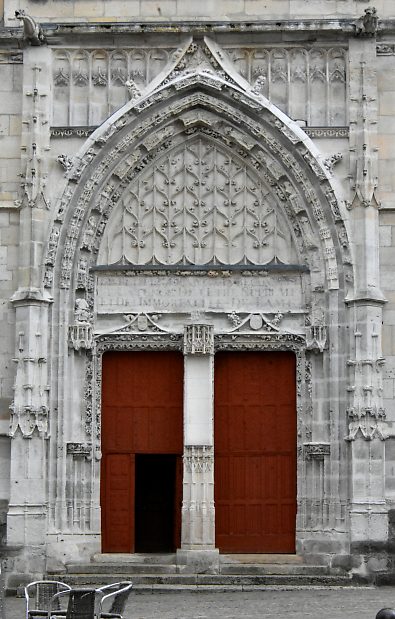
x,y
142,403
255,452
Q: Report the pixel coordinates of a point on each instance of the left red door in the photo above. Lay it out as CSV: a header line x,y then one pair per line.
x,y
142,404
117,524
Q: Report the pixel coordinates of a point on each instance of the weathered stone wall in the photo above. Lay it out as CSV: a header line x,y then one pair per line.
x,y
386,145
168,10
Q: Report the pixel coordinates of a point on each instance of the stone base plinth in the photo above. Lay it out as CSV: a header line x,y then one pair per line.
x,y
198,561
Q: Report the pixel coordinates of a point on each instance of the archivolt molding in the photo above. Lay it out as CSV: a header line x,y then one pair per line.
x,y
207,102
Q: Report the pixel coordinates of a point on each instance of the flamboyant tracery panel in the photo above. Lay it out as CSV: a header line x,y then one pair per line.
x,y
307,83
89,85
198,205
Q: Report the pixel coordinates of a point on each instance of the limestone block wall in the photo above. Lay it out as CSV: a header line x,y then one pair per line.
x,y
167,10
386,145
10,132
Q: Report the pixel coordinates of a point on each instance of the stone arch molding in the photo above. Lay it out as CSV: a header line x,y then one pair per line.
x,y
199,100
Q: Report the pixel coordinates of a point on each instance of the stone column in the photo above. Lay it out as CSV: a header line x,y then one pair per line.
x,y
367,419
29,430
198,514
29,424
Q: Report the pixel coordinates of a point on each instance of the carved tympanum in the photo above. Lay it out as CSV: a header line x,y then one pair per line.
x,y
197,205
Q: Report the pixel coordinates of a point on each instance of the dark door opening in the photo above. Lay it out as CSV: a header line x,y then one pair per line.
x,y
155,503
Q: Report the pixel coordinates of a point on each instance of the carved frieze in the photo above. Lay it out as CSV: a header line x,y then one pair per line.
x,y
327,132
308,84
104,80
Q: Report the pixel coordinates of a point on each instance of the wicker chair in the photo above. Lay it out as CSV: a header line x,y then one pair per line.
x,y
116,593
38,595
81,604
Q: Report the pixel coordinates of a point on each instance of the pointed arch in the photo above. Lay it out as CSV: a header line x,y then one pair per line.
x,y
222,107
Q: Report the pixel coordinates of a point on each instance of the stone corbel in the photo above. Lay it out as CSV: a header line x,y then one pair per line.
x,y
316,338
199,339
80,336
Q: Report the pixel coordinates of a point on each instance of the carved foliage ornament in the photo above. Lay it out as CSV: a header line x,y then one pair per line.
x,y
198,205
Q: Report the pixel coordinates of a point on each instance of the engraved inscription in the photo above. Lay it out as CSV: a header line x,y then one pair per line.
x,y
175,294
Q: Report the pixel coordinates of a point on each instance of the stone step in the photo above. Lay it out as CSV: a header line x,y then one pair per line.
x,y
261,558
122,558
225,569
120,570
205,580
277,569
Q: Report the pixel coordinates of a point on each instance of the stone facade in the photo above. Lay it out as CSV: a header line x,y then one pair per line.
x,y
197,176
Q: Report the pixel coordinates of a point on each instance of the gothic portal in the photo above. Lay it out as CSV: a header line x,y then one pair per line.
x,y
198,363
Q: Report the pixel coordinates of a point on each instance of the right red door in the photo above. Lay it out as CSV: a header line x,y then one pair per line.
x,y
255,452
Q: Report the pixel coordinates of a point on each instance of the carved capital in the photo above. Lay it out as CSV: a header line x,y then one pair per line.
x,y
198,339
198,458
80,450
316,451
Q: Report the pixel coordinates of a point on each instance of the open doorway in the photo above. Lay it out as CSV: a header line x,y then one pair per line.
x,y
155,501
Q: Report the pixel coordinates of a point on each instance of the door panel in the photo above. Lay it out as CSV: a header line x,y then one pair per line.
x,y
255,452
117,502
142,403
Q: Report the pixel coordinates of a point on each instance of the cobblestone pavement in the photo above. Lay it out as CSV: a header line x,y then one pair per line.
x,y
347,603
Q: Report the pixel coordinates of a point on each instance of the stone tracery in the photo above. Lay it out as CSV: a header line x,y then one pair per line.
x,y
197,205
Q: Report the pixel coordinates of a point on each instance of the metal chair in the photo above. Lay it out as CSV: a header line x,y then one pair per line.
x,y
81,604
118,595
38,595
